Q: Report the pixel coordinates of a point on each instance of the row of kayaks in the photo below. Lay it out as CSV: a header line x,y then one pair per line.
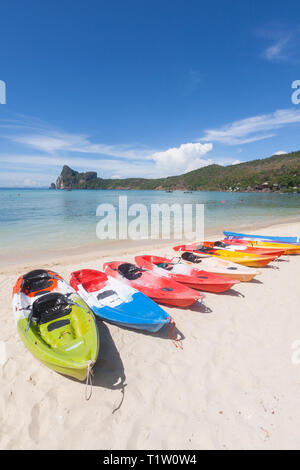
x,y
56,319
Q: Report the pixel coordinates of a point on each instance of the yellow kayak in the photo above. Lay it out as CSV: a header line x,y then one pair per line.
x,y
246,259
289,248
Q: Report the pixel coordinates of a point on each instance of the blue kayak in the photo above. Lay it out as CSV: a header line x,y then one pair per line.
x,y
116,302
262,237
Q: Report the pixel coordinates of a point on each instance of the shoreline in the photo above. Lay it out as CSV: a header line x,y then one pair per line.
x,y
123,247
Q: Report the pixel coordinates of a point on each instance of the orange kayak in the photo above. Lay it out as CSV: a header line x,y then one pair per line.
x,y
245,259
289,248
277,252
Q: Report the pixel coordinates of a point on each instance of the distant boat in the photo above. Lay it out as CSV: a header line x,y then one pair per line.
x,y
169,191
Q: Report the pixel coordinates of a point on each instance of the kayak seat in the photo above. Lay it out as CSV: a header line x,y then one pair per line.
x,y
107,293
37,280
50,307
204,249
221,244
57,324
58,333
130,271
191,257
41,292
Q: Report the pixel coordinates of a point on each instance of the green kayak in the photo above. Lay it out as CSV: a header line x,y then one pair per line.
x,y
59,329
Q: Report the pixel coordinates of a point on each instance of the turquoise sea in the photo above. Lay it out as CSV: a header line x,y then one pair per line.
x,y
34,221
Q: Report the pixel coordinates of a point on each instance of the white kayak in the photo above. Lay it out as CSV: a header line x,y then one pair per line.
x,y
221,267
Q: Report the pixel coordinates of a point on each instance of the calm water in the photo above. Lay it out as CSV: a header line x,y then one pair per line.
x,y
33,219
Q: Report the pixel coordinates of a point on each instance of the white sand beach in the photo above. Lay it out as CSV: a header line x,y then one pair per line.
x,y
232,386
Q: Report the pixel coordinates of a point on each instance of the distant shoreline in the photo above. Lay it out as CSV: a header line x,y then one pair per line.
x,y
161,190
276,173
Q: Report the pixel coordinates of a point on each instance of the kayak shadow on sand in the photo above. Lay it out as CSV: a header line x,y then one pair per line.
x,y
163,333
255,281
108,370
232,293
272,266
200,307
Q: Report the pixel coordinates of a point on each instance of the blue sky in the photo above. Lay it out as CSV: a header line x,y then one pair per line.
x,y
145,88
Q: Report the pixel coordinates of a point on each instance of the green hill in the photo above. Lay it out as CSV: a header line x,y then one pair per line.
x,y
278,171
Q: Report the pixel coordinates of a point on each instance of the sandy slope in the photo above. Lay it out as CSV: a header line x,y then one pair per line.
x,y
233,386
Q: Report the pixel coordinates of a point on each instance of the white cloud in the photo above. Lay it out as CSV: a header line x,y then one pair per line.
x,y
65,148
197,163
44,143
236,162
59,148
280,152
54,142
12,179
29,182
173,161
283,40
50,149
186,157
103,166
252,129
277,51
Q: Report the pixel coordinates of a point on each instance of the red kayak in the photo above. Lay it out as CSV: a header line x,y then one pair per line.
x,y
186,274
161,289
